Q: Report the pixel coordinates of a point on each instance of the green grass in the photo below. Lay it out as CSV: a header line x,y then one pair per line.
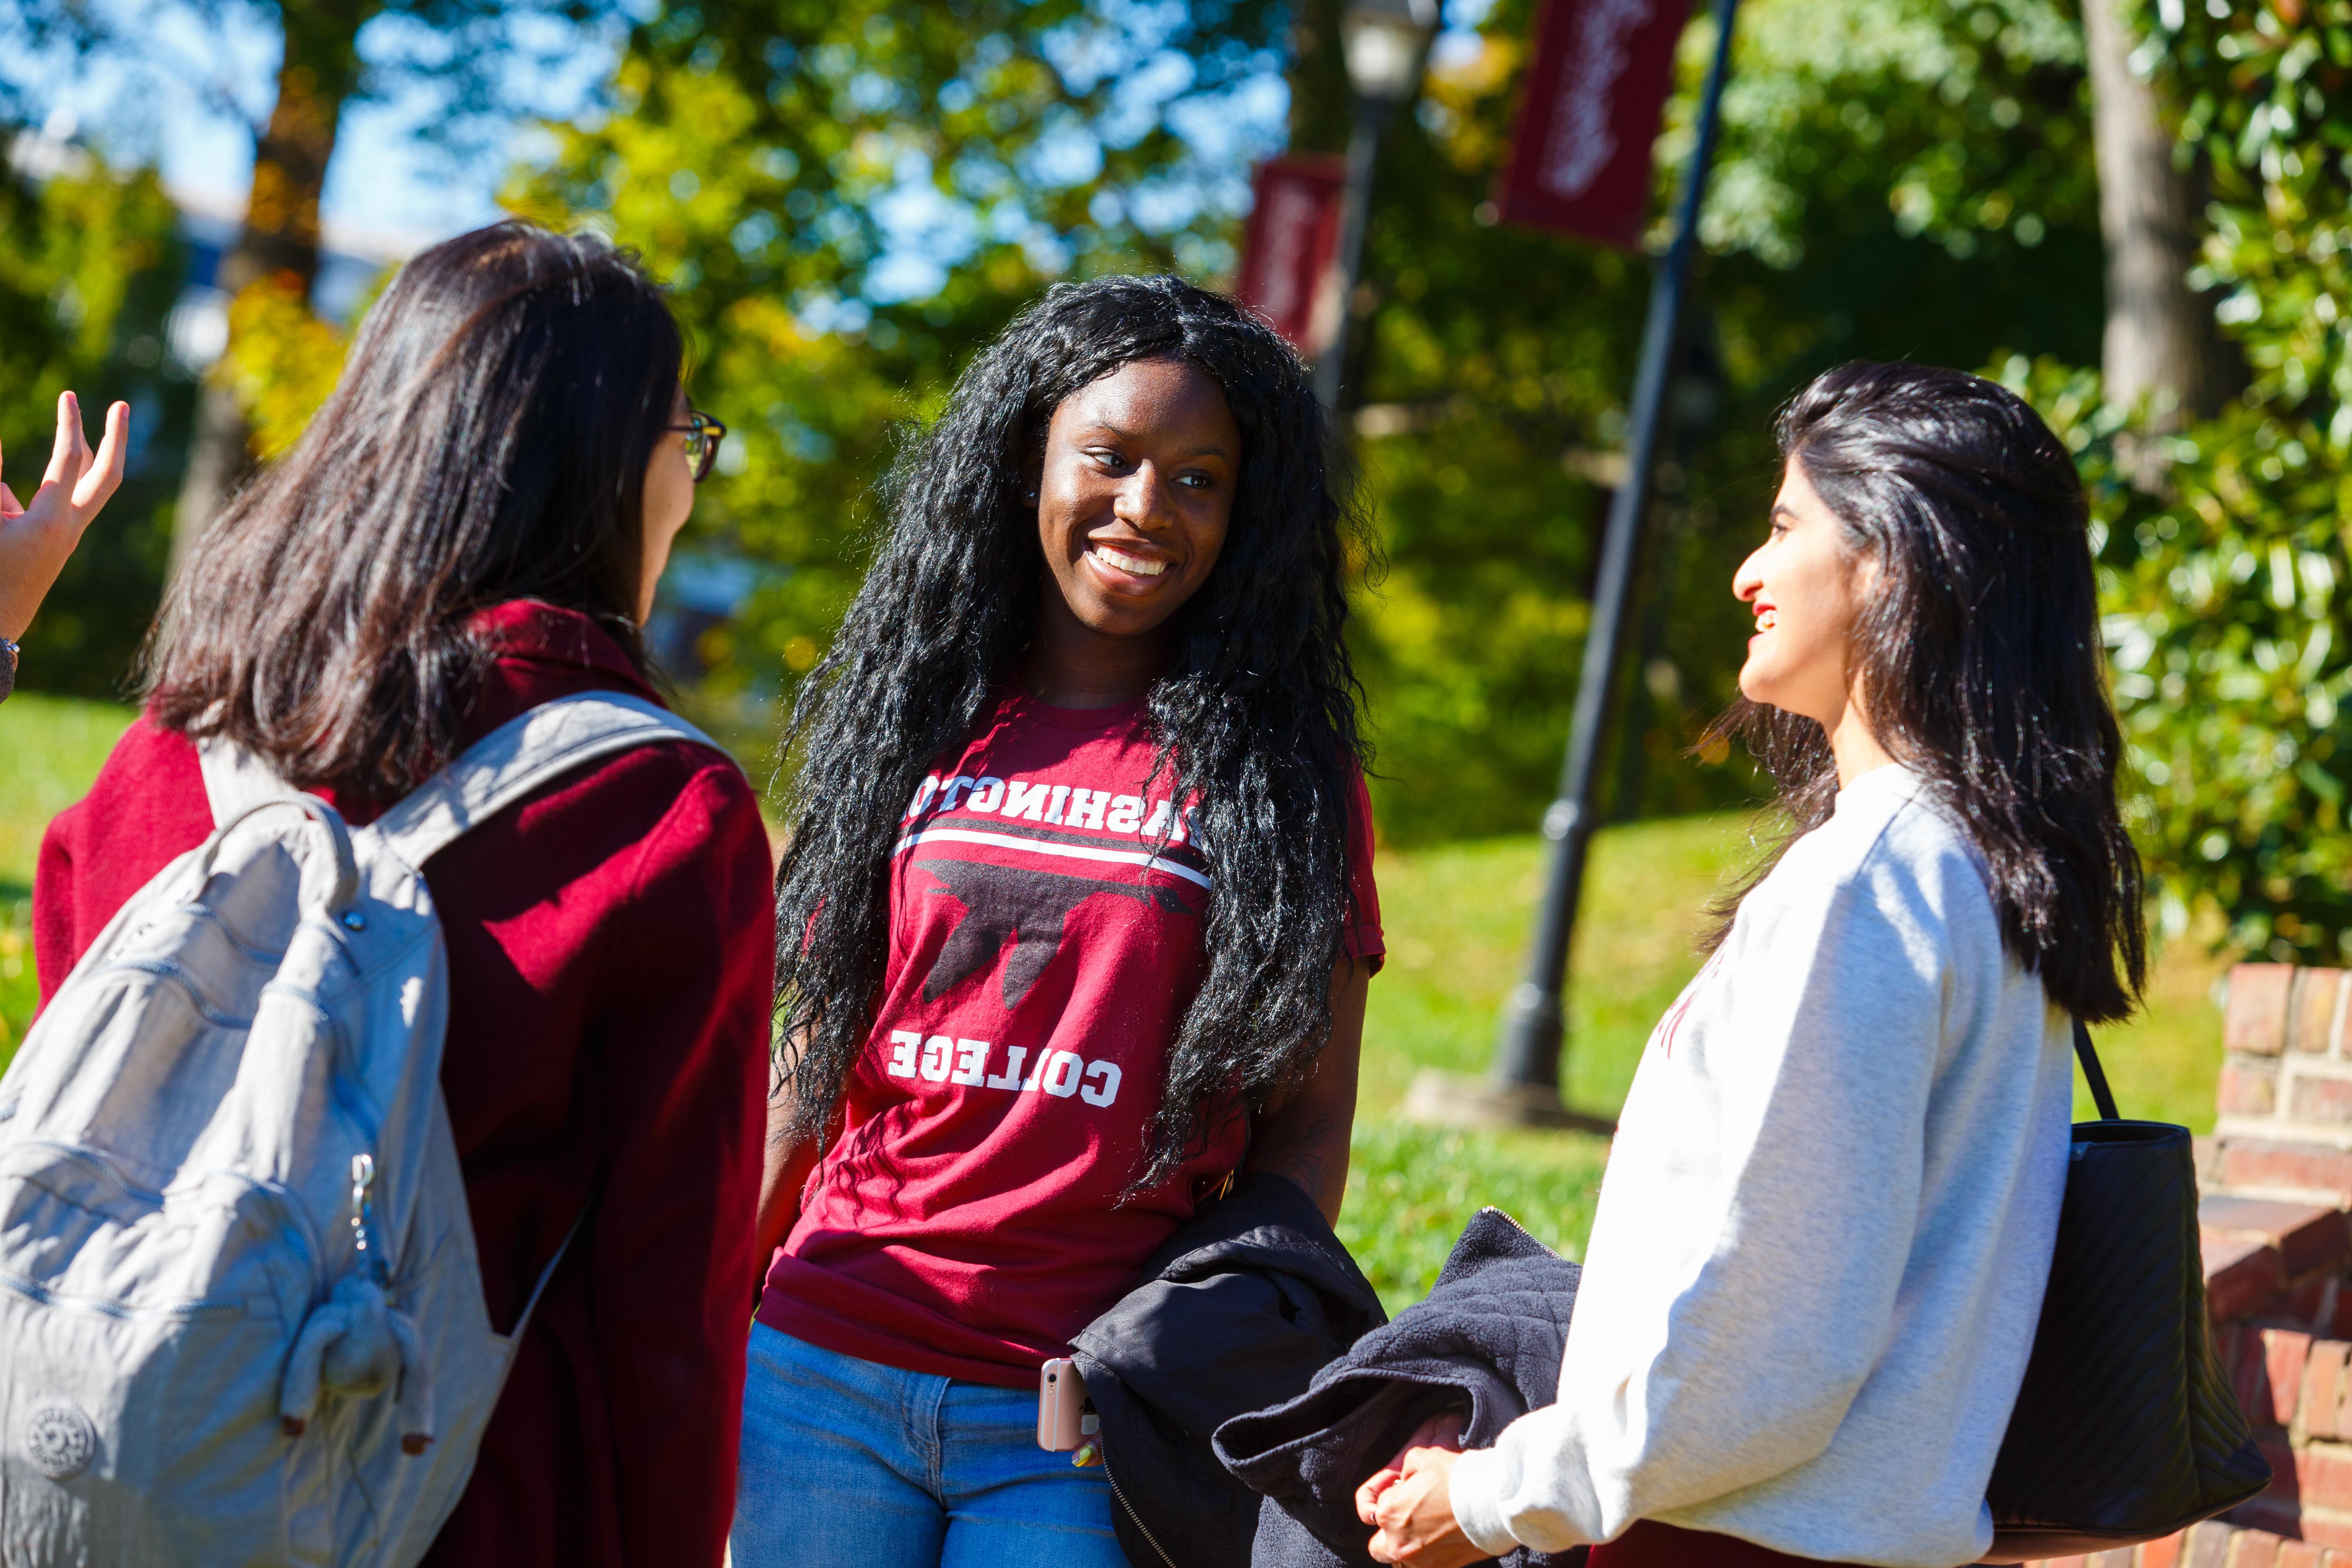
x,y
1456,918
50,750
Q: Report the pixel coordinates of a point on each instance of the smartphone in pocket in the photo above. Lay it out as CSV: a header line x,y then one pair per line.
x,y
1064,1418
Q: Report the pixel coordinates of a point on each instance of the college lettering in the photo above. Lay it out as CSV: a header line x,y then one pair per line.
x,y
1043,801
940,1059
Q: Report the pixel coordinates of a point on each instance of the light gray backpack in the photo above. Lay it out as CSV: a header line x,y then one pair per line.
x,y
241,1318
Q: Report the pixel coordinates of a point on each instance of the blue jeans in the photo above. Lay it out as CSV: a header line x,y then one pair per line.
x,y
850,1462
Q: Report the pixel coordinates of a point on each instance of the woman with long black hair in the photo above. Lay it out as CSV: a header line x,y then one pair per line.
x,y
1818,1263
1074,921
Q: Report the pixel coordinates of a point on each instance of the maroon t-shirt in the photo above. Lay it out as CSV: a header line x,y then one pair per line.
x,y
1044,944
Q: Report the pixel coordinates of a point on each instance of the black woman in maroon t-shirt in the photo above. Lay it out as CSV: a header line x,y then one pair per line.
x,y
1075,917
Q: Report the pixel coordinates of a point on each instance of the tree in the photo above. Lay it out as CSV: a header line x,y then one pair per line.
x,y
1899,178
471,52
2160,345
2224,592
770,159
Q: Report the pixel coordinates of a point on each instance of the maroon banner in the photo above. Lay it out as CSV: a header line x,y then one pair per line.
x,y
1286,249
1580,161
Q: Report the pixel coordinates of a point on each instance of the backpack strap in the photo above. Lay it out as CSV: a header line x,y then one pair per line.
x,y
235,780
518,757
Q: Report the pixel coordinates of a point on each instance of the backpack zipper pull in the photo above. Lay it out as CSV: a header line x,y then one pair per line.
x,y
363,1216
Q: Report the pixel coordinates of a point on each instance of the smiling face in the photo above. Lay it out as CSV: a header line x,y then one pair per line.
x,y
1808,589
1134,495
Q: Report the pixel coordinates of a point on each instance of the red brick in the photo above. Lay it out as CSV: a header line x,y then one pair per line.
x,y
2263,1163
2249,1087
2164,1553
2319,1099
2308,1236
2331,1529
2121,1557
2241,1273
2209,1543
2323,1387
2315,1009
2303,1303
2284,1354
2065,1562
2323,1476
2256,1019
2298,1555
2255,1549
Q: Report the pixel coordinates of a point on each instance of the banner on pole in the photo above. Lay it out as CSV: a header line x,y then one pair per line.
x,y
1580,160
1289,246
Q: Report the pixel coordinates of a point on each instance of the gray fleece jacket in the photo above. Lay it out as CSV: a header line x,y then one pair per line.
x,y
1819,1257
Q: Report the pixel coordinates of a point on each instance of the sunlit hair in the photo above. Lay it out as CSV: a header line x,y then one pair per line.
x,y
1255,714
488,441
1978,659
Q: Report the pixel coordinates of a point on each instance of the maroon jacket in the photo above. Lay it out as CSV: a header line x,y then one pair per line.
x,y
611,948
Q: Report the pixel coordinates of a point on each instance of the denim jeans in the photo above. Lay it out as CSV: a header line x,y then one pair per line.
x,y
846,1461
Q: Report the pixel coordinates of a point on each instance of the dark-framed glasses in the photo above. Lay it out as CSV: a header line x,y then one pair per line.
x,y
702,434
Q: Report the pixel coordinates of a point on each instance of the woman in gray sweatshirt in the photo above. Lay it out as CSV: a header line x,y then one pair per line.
x,y
1818,1262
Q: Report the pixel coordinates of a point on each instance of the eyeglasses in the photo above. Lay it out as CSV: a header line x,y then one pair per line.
x,y
702,434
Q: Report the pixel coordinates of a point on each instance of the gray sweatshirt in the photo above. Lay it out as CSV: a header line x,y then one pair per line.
x,y
1818,1260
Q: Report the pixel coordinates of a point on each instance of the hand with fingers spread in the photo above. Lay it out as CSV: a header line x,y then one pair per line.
x,y
1407,1502
36,538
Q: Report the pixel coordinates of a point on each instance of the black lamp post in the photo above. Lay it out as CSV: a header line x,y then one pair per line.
x,y
1524,1088
1383,42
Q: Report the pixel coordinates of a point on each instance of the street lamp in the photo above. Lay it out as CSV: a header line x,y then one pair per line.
x,y
1383,42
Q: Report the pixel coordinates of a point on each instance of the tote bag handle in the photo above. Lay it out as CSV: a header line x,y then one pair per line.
x,y
2094,1075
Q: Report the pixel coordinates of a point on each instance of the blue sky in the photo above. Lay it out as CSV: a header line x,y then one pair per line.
x,y
199,77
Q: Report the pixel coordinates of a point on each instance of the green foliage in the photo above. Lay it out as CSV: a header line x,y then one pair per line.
x,y
1898,179
2224,589
1877,152
88,273
2230,674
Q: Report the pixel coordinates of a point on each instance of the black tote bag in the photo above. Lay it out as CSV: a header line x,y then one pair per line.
x,y
2126,1429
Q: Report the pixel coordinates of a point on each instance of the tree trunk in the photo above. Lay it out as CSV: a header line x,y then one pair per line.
x,y
2161,342
281,234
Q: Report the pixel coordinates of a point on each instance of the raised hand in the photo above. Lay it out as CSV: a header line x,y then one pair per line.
x,y
36,538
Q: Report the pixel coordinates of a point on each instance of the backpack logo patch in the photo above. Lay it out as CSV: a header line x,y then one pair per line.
x,y
59,1439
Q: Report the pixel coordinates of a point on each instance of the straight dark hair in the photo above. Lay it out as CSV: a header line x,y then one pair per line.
x,y
1978,659
488,441
1255,715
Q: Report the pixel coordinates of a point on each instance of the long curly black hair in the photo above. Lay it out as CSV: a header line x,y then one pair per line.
x,y
1978,660
1256,714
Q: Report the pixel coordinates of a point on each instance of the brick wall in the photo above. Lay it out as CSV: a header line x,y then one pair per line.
x,y
2276,1180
